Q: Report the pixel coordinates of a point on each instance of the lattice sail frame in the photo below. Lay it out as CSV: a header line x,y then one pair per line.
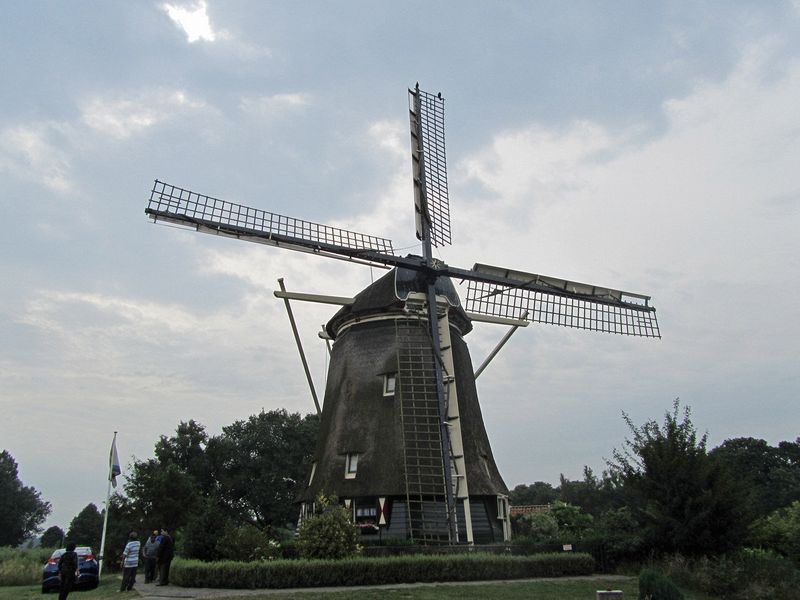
x,y
568,304
175,204
427,130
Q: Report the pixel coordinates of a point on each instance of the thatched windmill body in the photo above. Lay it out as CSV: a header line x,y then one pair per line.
x,y
402,441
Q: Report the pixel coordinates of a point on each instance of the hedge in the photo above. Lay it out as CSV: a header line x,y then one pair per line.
x,y
376,571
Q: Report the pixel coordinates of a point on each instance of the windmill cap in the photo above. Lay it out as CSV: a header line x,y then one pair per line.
x,y
389,295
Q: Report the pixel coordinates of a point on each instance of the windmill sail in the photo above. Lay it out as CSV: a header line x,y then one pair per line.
x,y
429,163
556,301
173,204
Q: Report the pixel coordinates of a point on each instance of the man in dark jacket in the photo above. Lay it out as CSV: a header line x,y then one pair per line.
x,y
166,550
150,557
67,571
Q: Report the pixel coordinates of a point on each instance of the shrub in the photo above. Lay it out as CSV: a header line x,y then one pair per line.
x,y
330,534
655,586
537,527
377,571
780,531
744,575
247,543
572,522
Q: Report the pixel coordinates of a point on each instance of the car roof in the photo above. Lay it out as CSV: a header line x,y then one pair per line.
x,y
82,550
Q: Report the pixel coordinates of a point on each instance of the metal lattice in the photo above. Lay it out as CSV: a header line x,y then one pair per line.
x,y
421,427
565,310
170,202
434,161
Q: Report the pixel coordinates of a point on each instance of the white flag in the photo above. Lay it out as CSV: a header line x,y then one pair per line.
x,y
114,463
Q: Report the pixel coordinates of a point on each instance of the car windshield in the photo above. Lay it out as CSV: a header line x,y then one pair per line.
x,y
81,551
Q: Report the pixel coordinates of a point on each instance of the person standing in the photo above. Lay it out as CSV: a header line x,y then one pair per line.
x,y
166,550
130,562
67,571
150,557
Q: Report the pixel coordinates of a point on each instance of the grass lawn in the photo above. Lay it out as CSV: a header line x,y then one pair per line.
x,y
108,588
551,589
583,588
545,590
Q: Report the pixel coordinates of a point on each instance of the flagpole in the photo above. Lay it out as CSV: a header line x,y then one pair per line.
x,y
108,498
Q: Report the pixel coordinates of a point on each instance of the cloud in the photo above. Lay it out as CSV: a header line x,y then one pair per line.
x,y
275,105
704,217
122,116
34,153
392,136
193,20
41,151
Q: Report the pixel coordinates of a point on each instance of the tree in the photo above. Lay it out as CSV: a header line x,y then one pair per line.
x,y
593,494
769,475
208,524
258,463
22,510
538,492
53,537
122,519
86,528
685,501
187,451
162,493
618,532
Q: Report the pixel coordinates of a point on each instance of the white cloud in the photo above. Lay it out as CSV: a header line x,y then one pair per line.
x,y
30,152
391,136
124,116
193,20
704,217
275,105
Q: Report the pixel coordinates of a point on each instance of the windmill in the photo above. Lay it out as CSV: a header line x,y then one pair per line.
x,y
402,439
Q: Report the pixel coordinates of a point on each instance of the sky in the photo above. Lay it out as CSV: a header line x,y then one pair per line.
x,y
649,147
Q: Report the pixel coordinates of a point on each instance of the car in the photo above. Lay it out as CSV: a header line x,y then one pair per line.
x,y
88,577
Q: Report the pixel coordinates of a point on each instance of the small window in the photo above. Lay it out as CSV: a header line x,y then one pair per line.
x,y
351,466
389,382
313,470
502,507
366,512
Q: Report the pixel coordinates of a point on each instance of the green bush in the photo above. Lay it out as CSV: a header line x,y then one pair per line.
x,y
537,527
572,522
246,543
655,586
780,531
376,571
22,566
330,534
744,575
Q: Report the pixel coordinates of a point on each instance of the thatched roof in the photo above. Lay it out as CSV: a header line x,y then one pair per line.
x,y
389,293
358,418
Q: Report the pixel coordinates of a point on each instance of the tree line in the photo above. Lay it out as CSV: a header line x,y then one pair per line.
x,y
231,495
220,493
665,492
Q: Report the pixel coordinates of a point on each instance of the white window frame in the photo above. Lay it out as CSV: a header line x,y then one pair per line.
x,y
351,465
389,384
313,470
